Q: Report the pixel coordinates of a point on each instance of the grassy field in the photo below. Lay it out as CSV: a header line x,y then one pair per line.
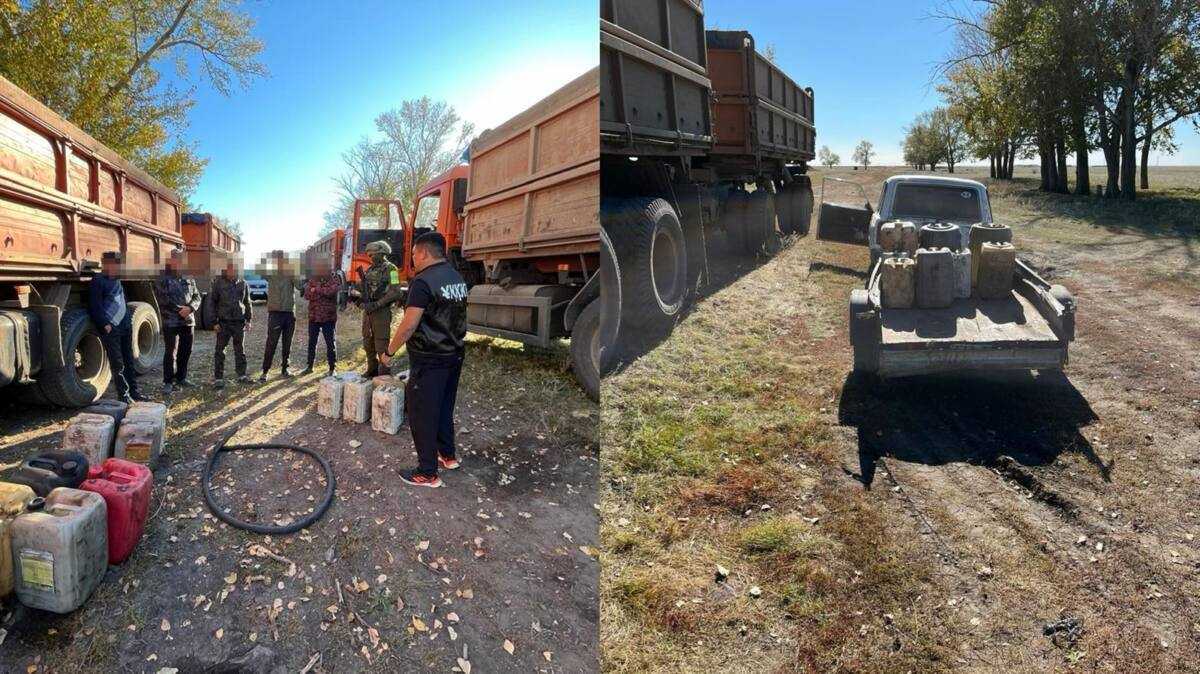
x,y
761,511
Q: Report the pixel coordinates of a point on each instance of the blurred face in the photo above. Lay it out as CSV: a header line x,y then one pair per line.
x,y
173,264
377,255
321,267
110,267
231,271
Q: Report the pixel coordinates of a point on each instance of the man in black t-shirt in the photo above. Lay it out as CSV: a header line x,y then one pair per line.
x,y
433,328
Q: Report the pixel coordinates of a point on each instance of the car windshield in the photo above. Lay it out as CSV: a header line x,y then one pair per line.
x,y
936,202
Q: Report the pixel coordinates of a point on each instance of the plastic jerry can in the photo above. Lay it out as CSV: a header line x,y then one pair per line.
x,y
981,233
997,262
14,499
897,283
962,273
47,471
387,409
91,435
125,487
329,397
108,407
60,553
383,380
935,278
889,236
909,238
152,413
138,440
356,400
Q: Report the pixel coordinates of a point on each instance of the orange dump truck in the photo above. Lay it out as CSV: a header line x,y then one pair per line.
x,y
65,199
209,245
522,224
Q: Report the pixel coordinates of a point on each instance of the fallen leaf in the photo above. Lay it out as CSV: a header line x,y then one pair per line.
x,y
508,646
464,665
419,625
165,626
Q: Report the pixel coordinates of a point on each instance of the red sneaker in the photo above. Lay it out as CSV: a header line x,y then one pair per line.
x,y
448,464
418,480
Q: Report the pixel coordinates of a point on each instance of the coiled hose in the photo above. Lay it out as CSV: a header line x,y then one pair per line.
x,y
306,521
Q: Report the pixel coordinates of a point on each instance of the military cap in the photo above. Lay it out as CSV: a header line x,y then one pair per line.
x,y
379,247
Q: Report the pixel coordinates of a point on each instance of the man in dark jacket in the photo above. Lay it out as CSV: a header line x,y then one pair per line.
x,y
229,303
321,291
178,300
433,329
113,319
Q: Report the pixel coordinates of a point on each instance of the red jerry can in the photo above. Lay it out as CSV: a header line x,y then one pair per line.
x,y
125,486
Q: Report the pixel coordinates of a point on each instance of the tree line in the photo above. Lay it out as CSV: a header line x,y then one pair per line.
x,y
1053,78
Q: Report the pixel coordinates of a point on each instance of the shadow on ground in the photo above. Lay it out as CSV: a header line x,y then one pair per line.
x,y
991,419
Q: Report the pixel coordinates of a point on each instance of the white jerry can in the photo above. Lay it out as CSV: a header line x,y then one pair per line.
x,y
387,409
139,440
91,435
356,401
60,553
329,397
962,273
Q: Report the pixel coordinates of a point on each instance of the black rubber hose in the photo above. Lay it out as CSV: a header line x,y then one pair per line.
x,y
292,528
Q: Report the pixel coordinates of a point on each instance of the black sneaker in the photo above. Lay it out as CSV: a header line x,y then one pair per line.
x,y
183,383
420,480
307,370
168,388
262,378
137,395
245,378
285,373
218,383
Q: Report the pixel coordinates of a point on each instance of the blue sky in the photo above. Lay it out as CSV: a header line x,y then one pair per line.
x,y
869,63
274,148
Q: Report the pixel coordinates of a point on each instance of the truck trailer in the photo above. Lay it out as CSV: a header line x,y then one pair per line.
x,y
65,199
209,245
699,133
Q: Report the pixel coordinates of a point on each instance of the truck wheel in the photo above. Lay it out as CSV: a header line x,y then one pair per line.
x,y
802,205
652,257
87,374
586,350
759,224
733,218
147,337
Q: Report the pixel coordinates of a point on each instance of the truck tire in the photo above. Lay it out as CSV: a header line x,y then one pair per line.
x,y
147,337
586,350
759,224
652,257
87,375
941,235
795,205
733,217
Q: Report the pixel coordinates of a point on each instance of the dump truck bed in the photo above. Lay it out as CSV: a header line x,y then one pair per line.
x,y
65,199
534,186
1028,330
758,111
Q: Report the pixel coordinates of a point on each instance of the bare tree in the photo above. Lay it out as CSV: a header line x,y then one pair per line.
x,y
424,139
863,153
828,157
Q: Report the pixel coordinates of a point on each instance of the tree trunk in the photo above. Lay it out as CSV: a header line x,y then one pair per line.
x,y
1129,132
1045,168
1083,181
1060,172
1145,167
992,165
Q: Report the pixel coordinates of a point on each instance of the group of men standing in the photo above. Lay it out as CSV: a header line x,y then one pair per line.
x,y
433,327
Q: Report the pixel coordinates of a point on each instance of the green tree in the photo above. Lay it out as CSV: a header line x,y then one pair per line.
x,y
99,64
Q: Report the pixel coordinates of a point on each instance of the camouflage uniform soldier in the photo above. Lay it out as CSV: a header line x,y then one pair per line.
x,y
380,288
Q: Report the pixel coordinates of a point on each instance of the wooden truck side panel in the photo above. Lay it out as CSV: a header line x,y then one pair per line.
x,y
65,199
208,244
534,185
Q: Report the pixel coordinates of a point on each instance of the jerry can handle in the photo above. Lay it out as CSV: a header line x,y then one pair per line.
x,y
42,464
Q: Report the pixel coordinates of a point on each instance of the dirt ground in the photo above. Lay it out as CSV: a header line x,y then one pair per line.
x,y
498,570
795,518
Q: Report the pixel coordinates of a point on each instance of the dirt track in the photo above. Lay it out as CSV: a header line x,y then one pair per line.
x,y
391,579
